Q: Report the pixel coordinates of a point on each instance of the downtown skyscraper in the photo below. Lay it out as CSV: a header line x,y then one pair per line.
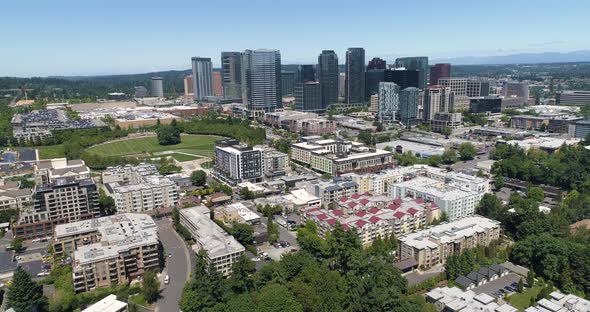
x,y
419,63
328,74
202,77
355,76
231,75
440,70
261,79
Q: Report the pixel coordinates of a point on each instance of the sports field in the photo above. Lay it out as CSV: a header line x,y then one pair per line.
x,y
193,144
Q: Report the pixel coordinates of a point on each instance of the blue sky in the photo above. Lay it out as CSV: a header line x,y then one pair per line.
x,y
87,37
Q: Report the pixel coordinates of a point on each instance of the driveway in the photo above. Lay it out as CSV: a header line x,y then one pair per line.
x,y
177,267
416,277
497,284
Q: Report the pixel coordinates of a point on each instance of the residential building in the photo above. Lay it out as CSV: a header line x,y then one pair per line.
x,y
389,102
328,74
274,163
108,304
231,75
437,99
376,63
484,104
355,75
419,63
439,70
372,216
574,98
236,163
558,302
139,188
455,299
443,120
408,104
189,85
16,199
202,77
288,83
434,245
374,103
62,194
329,191
261,80
236,212
222,249
579,129
157,87
108,250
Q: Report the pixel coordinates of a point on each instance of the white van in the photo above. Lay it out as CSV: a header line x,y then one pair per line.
x,y
167,280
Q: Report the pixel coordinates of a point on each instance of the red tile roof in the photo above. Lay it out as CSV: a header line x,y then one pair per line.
x,y
360,213
398,201
419,200
356,196
337,212
374,219
343,198
345,227
366,194
364,201
331,221
412,211
393,206
322,216
374,210
399,214
360,223
352,205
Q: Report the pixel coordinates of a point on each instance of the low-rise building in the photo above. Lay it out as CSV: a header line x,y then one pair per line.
x,y
222,249
434,245
108,304
329,191
453,299
579,129
274,163
236,213
549,144
558,302
16,199
556,123
443,120
108,250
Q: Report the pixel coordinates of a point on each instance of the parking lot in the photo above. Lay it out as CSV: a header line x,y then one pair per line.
x,y
499,287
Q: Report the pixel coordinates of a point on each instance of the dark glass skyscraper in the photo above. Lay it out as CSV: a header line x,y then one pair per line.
x,y
328,75
441,70
403,78
261,79
372,79
305,73
419,63
231,75
355,75
376,63
288,83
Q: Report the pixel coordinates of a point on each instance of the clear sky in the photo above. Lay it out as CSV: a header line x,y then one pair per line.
x,y
88,37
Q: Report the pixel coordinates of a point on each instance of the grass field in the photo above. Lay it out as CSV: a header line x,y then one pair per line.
x,y
197,144
522,301
51,151
182,157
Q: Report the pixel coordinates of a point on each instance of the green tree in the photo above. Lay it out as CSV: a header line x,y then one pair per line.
x,y
272,231
24,295
489,206
106,204
199,178
150,286
168,135
275,297
447,131
467,151
449,156
366,137
241,279
499,182
17,244
243,233
520,286
530,278
535,193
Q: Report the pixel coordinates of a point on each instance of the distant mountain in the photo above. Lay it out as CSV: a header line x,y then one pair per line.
x,y
520,58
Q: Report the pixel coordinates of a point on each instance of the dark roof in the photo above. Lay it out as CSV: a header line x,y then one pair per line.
x,y
498,268
463,281
406,264
476,277
27,155
487,272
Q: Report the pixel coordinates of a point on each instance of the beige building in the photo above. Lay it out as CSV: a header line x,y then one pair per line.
x,y
434,245
108,250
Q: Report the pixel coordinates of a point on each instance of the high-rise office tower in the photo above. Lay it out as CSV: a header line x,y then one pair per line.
x,y
355,75
261,79
405,78
376,63
469,87
388,106
372,79
419,63
231,75
408,104
308,97
305,73
217,85
288,83
157,86
437,99
202,77
342,85
189,85
515,89
328,74
440,70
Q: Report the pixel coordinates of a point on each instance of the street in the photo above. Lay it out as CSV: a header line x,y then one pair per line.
x,y
177,267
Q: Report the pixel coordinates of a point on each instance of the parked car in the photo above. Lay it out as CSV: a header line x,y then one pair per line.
x,y
167,280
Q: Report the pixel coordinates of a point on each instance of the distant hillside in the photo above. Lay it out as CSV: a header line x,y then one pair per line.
x,y
521,58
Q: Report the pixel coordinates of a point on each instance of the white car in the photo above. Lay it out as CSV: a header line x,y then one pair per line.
x,y
167,280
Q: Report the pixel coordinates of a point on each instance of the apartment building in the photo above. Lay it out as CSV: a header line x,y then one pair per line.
x,y
329,191
139,188
456,299
274,163
558,302
62,194
373,216
16,199
236,163
222,249
108,250
434,245
443,120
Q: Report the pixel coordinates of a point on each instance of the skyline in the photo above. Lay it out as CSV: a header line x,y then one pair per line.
x,y
64,38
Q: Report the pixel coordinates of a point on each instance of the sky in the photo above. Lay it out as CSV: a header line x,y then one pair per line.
x,y
98,37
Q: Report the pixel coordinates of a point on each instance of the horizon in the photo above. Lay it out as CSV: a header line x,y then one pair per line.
x,y
68,38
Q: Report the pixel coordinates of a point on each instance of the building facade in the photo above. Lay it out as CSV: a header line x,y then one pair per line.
x,y
355,75
437,99
236,163
408,104
419,63
288,83
261,80
328,74
231,75
202,77
389,102
574,98
157,87
439,70
492,104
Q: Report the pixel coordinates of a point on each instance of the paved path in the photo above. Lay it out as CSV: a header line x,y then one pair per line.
x,y
178,266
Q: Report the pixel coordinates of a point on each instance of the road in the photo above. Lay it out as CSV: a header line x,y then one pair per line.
x,y
177,267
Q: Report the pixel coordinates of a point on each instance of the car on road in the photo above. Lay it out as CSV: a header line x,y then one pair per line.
x,y
42,274
169,255
167,280
255,259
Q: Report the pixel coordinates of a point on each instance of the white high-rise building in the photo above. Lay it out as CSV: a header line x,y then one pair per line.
x,y
388,106
437,99
157,87
202,77
261,79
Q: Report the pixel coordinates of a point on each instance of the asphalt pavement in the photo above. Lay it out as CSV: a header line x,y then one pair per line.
x,y
177,267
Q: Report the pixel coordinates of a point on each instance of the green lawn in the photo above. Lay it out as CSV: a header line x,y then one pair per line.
x,y
198,144
522,301
183,157
51,151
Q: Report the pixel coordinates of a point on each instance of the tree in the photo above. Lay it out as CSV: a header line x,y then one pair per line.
x,y
530,278
366,137
275,297
326,176
520,286
447,131
499,182
17,244
106,204
467,151
489,206
168,135
535,193
449,156
272,230
241,279
199,178
243,233
24,295
150,286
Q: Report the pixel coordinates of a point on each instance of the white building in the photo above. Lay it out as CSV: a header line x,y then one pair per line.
x,y
389,101
222,249
108,304
559,302
455,299
236,163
